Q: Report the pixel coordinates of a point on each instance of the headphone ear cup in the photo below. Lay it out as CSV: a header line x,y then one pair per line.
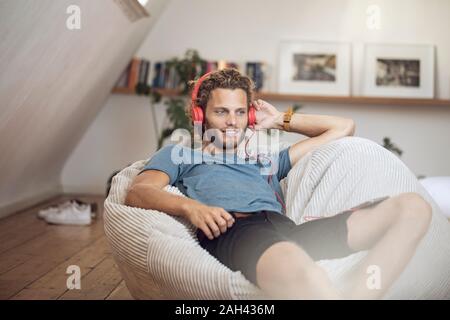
x,y
196,111
197,114
251,115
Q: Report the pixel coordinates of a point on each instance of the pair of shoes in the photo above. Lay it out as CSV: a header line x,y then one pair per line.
x,y
56,208
72,212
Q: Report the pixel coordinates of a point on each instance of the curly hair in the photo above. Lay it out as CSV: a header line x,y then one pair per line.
x,y
228,78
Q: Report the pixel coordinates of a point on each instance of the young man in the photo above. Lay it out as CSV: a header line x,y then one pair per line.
x,y
241,211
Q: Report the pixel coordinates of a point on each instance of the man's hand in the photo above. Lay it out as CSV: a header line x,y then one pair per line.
x,y
211,220
267,116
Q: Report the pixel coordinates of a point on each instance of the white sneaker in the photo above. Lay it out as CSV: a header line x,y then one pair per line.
x,y
55,209
74,214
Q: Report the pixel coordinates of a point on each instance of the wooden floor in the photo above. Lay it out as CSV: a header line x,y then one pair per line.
x,y
34,257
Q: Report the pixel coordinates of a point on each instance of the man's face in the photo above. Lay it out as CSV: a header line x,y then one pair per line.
x,y
226,113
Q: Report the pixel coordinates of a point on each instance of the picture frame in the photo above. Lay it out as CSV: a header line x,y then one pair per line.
x,y
314,68
398,71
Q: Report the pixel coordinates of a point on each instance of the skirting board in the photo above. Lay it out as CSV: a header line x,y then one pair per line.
x,y
14,207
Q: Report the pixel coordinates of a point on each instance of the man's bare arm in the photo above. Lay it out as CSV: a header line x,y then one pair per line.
x,y
320,128
147,192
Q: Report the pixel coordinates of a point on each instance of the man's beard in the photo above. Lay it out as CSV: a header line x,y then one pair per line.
x,y
221,140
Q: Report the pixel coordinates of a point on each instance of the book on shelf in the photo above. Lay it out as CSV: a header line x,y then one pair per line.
x,y
143,72
257,72
136,73
164,76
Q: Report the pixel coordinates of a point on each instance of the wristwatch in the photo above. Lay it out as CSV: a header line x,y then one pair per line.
x,y
287,119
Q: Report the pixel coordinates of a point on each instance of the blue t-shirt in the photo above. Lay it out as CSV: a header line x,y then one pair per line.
x,y
225,180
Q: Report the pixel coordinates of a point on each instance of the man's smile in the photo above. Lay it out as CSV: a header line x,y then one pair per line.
x,y
232,132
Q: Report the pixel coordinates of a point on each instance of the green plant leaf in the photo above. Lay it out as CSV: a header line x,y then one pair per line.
x,y
187,69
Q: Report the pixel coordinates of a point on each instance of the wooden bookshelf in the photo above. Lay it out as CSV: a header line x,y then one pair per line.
x,y
320,99
123,90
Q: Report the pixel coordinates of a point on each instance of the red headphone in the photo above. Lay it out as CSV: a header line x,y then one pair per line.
x,y
197,111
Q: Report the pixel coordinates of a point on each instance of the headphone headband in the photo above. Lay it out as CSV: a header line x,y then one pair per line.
x,y
197,112
199,82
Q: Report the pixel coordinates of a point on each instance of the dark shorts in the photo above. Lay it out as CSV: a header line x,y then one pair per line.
x,y
240,247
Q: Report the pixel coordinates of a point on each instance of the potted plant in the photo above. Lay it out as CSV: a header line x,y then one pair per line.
x,y
186,69
389,145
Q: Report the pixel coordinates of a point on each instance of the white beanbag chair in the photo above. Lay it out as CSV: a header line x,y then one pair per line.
x,y
160,258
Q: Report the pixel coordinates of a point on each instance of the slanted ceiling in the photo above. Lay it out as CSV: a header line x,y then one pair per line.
x,y
53,82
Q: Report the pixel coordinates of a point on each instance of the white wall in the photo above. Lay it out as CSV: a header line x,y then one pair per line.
x,y
117,137
53,83
251,30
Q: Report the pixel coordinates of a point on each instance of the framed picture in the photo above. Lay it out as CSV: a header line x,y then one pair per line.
x,y
314,68
403,71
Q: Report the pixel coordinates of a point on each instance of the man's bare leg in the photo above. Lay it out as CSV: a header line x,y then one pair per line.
x,y
391,230
285,271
